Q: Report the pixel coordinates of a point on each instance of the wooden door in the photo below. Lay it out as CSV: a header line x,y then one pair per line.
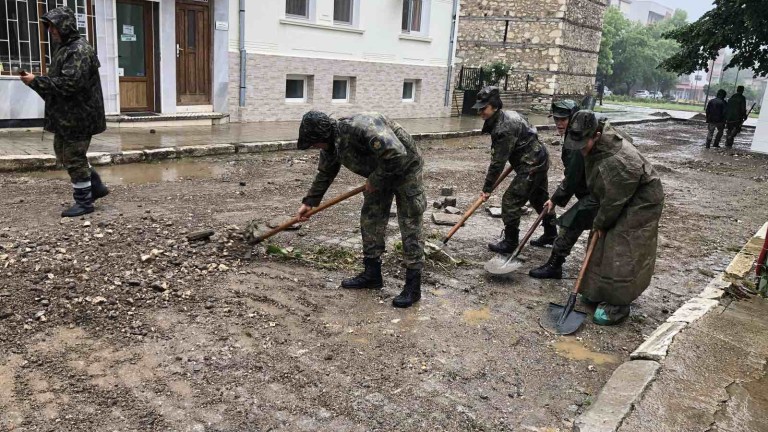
x,y
135,55
193,52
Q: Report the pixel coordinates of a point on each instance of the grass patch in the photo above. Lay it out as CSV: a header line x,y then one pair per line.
x,y
660,105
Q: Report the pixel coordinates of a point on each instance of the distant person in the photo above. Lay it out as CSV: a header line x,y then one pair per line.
x,y
735,115
716,117
600,92
74,106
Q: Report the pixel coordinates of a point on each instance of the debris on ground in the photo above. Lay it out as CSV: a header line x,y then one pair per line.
x,y
200,235
445,219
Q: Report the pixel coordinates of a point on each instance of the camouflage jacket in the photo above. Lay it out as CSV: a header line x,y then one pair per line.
x,y
513,140
370,145
74,105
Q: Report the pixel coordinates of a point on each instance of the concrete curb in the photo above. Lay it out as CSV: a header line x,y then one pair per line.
x,y
629,381
36,162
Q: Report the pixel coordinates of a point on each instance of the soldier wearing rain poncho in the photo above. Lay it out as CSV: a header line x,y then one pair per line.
x,y
631,198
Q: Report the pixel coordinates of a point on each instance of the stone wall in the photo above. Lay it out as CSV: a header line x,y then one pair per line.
x,y
555,41
376,87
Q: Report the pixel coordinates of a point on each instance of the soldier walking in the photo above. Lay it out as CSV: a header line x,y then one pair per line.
x,y
74,106
631,198
716,118
513,140
377,148
735,115
579,217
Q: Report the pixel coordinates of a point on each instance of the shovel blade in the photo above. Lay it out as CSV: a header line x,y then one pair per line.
x,y
502,265
553,320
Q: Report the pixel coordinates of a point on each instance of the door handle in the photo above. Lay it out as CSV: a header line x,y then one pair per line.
x,y
178,50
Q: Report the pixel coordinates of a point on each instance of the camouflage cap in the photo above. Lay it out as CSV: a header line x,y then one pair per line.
x,y
564,108
485,96
316,127
582,127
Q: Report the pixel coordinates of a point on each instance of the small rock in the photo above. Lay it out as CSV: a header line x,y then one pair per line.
x,y
159,287
5,314
446,191
200,235
98,300
276,222
555,142
449,201
494,211
87,223
209,305
445,219
223,268
134,282
242,183
437,204
452,210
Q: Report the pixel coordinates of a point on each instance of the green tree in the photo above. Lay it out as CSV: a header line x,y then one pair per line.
x,y
736,24
614,24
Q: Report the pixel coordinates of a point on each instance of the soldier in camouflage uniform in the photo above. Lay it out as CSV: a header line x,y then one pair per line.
x,y
514,140
375,147
74,106
579,217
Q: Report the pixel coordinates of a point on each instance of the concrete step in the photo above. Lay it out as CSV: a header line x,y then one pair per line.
x,y
163,120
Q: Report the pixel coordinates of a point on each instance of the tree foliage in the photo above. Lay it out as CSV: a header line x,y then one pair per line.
x,y
736,24
631,52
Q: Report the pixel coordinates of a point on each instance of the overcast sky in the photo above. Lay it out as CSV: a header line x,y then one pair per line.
x,y
695,8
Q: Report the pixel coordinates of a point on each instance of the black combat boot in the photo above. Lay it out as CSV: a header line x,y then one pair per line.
x,y
83,203
99,189
550,233
412,290
510,242
369,278
552,269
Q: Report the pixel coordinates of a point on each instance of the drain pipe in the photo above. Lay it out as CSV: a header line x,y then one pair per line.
x,y
451,46
242,52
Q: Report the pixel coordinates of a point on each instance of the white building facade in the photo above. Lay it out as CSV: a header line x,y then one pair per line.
x,y
341,57
157,56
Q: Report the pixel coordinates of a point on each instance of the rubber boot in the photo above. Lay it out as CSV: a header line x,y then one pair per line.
x,y
370,278
510,242
83,203
412,290
550,233
99,189
608,314
552,269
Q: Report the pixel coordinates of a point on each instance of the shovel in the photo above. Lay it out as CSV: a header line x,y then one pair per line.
x,y
471,210
500,266
563,320
287,224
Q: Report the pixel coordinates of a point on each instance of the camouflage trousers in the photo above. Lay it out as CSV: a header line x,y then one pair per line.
x,y
72,156
374,218
524,188
566,239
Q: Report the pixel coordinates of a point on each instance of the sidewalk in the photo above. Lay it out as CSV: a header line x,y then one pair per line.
x,y
115,140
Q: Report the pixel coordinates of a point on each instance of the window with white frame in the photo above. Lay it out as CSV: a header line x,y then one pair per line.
x,y
23,39
343,89
297,88
410,89
297,8
343,11
415,14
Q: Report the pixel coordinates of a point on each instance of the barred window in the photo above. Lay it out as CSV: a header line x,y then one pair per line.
x,y
23,40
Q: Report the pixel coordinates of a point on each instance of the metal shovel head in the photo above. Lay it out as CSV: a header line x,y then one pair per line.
x,y
502,265
551,320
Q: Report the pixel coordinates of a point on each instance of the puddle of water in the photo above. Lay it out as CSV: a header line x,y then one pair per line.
x,y
572,349
145,173
475,317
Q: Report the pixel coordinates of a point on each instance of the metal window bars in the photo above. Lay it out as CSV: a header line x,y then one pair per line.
x,y
24,42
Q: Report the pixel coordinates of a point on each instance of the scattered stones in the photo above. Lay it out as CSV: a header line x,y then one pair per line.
x,y
446,191
449,201
98,300
437,204
452,210
494,211
200,235
445,219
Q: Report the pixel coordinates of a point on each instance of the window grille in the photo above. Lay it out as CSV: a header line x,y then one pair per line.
x,y
24,42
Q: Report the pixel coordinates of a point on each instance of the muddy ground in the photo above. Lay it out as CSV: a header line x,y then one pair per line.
x,y
116,322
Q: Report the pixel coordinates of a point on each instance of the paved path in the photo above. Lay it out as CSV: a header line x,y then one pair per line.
x,y
15,142
715,377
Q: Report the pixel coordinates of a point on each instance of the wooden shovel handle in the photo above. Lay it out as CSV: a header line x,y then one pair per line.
x,y
530,232
287,224
475,206
592,243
